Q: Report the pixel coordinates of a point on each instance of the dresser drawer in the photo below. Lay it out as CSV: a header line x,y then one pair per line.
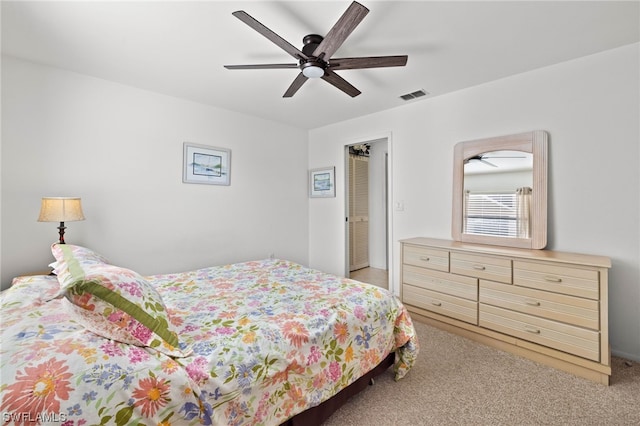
x,y
451,306
455,285
486,267
557,278
563,337
571,310
426,257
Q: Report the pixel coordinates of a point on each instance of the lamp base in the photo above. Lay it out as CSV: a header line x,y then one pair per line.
x,y
61,229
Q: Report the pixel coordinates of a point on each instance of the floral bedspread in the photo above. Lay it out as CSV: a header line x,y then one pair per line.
x,y
269,339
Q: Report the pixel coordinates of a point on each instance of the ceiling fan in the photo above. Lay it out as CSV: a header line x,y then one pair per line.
x,y
314,60
483,159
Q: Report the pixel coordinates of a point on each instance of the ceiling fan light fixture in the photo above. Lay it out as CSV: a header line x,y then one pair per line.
x,y
312,70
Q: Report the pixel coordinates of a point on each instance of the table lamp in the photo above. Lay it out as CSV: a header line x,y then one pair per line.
x,y
60,209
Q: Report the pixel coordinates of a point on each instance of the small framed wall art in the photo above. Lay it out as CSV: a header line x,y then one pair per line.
x,y
322,182
206,164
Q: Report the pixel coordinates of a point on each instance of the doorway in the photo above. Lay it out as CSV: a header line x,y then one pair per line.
x,y
367,231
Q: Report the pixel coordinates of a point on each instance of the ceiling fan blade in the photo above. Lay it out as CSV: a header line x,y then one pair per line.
x,y
349,20
368,62
479,159
487,163
261,66
275,38
340,83
297,84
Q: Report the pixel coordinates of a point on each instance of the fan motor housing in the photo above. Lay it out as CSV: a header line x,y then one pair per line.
x,y
311,41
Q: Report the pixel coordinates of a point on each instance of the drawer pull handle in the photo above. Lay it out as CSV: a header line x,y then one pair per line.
x,y
532,330
479,267
435,303
425,258
553,279
532,302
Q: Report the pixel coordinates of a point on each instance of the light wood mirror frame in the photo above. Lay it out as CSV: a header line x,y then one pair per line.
x,y
534,142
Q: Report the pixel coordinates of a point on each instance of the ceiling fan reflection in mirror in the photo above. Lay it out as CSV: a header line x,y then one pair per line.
x,y
314,60
484,158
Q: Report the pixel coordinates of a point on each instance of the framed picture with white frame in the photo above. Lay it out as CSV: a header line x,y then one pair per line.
x,y
322,182
206,164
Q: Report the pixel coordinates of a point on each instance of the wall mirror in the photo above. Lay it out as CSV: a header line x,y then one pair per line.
x,y
500,191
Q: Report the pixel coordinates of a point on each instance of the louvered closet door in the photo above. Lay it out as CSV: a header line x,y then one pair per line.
x,y
359,212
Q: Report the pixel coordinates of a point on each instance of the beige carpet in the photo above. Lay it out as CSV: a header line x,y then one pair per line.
x,y
459,382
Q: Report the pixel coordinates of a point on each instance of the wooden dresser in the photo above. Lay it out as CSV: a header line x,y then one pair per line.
x,y
547,306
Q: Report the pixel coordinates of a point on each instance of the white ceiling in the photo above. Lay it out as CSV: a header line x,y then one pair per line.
x,y
179,48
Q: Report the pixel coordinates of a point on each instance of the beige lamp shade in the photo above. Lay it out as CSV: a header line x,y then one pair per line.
x,y
60,209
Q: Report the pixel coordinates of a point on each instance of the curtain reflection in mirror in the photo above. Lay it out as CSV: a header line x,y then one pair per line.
x,y
523,198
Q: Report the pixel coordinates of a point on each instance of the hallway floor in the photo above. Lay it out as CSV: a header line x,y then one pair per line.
x,y
378,277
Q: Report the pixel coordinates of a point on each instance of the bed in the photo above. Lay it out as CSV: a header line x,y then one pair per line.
x,y
266,342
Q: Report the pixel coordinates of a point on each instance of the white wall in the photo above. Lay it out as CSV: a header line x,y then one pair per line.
x,y
120,149
589,106
506,181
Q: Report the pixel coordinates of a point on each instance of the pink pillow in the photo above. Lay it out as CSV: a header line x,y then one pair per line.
x,y
116,303
71,255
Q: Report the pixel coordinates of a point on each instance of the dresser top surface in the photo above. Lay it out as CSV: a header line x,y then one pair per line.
x,y
546,255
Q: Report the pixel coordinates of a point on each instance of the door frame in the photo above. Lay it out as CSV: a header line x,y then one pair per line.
x,y
389,196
